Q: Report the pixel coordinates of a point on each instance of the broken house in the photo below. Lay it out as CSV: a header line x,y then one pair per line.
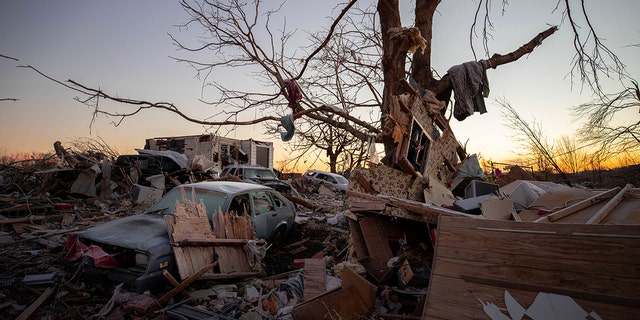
x,y
527,248
217,149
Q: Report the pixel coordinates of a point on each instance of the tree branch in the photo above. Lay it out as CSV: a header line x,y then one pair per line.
x,y
326,40
444,84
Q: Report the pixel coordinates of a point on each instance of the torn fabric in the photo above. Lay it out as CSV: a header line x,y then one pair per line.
x,y
294,94
287,124
76,249
470,87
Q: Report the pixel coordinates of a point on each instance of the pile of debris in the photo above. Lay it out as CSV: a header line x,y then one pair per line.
x,y
423,235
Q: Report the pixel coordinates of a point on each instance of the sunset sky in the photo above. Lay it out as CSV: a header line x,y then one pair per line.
x,y
123,48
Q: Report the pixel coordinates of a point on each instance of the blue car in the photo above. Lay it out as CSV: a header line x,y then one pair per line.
x,y
140,243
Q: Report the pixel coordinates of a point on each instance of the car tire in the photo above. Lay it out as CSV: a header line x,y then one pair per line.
x,y
279,237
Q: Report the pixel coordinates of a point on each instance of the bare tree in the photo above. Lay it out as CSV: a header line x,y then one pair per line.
x,y
612,121
240,36
570,156
347,74
531,137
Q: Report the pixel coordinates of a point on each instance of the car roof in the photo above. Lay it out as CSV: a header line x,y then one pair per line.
x,y
246,166
226,186
325,172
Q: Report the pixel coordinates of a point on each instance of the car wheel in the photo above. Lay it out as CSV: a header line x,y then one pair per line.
x,y
279,237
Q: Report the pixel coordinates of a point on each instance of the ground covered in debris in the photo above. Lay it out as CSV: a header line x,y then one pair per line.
x,y
34,281
40,205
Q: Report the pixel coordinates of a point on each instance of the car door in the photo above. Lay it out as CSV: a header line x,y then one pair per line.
x,y
267,215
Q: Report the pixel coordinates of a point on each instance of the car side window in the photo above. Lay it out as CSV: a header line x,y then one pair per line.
x,y
277,202
263,202
240,204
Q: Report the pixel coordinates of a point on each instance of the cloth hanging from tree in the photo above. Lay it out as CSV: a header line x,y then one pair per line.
x,y
287,123
470,87
294,94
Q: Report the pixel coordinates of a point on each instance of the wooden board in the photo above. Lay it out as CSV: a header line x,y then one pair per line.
x,y
477,261
377,246
190,221
233,259
196,245
315,278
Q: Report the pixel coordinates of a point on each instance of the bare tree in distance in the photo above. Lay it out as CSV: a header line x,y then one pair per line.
x,y
571,157
241,37
531,137
612,121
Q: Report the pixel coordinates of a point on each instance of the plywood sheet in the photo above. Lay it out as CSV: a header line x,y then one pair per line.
x,y
478,261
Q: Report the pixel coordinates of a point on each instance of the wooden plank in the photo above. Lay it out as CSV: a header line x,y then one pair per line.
x,y
236,275
477,261
508,259
364,183
552,280
424,208
585,247
343,304
604,211
576,294
26,314
376,242
602,230
211,242
190,221
184,284
315,278
377,246
235,260
579,206
366,290
359,243
173,281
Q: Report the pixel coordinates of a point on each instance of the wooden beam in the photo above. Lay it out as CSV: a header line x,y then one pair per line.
x,y
184,284
26,314
195,242
579,206
365,184
515,215
172,280
604,211
230,275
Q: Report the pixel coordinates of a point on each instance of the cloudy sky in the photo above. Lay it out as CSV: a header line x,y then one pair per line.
x,y
123,48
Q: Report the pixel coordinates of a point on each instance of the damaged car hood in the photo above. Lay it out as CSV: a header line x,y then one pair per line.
x,y
142,232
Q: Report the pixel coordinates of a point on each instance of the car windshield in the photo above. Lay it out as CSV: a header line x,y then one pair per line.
x,y
212,200
252,173
341,179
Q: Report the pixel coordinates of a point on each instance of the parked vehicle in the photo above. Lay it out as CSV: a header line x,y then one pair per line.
x,y
140,244
332,179
150,163
257,174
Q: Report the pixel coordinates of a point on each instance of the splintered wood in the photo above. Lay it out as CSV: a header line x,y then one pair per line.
x,y
196,245
190,222
229,225
232,226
